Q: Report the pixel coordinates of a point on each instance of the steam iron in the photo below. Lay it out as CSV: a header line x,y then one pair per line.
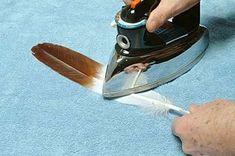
x,y
142,60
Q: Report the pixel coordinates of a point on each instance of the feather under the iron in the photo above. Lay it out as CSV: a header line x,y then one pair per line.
x,y
163,55
90,74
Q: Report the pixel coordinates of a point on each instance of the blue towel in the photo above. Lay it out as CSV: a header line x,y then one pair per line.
x,y
44,114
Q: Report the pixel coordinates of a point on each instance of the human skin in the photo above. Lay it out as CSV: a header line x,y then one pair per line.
x,y
208,130
166,10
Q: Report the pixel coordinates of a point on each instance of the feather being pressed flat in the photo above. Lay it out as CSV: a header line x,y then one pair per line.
x,y
78,67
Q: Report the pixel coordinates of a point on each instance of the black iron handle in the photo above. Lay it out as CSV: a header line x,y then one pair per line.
x,y
189,19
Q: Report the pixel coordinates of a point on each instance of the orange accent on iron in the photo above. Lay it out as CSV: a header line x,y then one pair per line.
x,y
134,3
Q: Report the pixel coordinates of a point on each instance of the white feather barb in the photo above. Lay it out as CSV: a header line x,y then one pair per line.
x,y
152,102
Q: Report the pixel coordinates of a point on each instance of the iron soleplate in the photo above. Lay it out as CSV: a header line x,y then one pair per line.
x,y
121,83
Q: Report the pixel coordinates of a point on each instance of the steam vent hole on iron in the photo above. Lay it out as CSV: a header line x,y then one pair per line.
x,y
124,41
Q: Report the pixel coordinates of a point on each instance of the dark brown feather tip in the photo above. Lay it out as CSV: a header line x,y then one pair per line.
x,y
75,59
61,66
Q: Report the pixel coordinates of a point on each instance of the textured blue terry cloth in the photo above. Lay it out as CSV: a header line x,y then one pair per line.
x,y
44,114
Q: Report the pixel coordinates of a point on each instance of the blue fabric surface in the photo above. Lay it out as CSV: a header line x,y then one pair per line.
x,y
44,114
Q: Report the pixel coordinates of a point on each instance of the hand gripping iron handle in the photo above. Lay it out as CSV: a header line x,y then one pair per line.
x,y
141,9
138,10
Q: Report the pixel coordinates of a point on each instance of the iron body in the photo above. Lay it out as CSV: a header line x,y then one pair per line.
x,y
142,60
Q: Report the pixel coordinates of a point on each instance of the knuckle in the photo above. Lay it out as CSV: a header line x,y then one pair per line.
x,y
161,18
